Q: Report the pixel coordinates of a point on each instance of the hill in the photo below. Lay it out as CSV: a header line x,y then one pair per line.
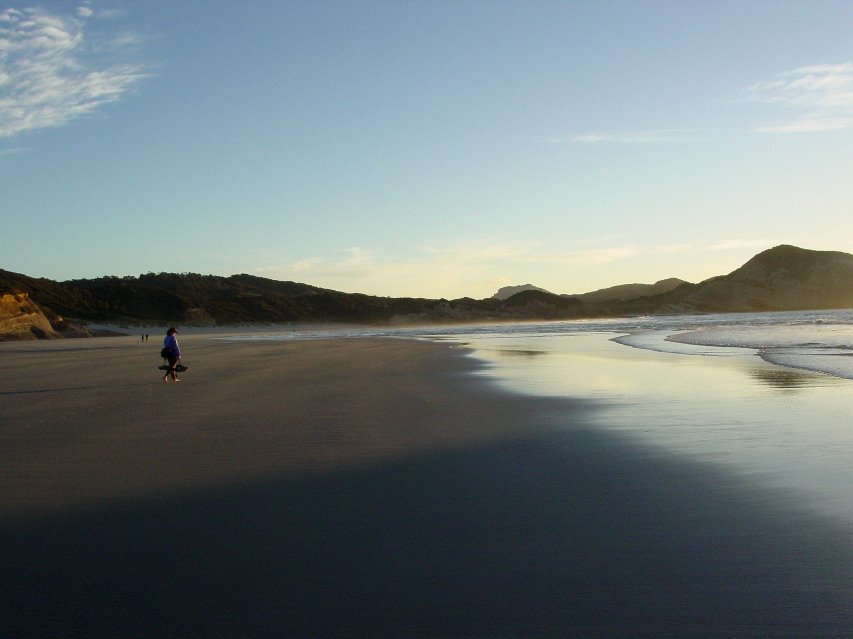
x,y
203,299
190,298
505,292
782,278
624,292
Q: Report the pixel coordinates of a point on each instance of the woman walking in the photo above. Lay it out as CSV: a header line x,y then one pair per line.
x,y
172,353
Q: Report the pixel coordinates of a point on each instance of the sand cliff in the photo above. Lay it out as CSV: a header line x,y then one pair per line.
x,y
22,319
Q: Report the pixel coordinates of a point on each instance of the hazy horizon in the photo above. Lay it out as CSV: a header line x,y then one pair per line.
x,y
423,149
497,290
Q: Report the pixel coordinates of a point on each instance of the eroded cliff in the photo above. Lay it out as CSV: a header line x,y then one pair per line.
x,y
22,319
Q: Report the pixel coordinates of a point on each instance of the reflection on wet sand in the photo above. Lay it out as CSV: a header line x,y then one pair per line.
x,y
510,352
724,410
784,378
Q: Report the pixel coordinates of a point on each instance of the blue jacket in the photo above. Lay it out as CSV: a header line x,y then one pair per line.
x,y
171,342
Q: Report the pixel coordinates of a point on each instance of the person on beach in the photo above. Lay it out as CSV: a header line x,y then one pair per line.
x,y
172,353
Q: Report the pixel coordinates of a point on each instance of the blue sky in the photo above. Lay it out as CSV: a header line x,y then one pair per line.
x,y
423,148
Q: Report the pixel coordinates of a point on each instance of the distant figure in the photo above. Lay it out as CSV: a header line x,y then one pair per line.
x,y
172,353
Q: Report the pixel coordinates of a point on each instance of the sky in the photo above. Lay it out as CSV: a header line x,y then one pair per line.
x,y
432,148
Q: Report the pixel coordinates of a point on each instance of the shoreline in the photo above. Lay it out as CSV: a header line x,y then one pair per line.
x,y
373,487
776,343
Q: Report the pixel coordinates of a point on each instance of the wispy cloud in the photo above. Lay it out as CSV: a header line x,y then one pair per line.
x,y
598,256
655,136
818,98
477,265
357,261
49,73
727,245
426,272
810,98
585,257
13,151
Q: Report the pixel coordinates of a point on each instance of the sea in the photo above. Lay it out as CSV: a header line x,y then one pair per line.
x,y
765,396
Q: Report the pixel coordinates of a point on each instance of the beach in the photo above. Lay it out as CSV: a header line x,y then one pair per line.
x,y
373,488
90,421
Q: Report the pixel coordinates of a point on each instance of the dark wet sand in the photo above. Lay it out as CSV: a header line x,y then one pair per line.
x,y
371,488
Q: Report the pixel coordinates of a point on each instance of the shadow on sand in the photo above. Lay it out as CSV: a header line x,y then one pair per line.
x,y
563,534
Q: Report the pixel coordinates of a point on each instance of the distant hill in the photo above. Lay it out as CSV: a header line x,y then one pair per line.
x,y
625,292
621,292
537,303
203,299
505,292
190,298
782,278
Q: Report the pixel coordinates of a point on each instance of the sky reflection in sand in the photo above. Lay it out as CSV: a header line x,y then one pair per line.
x,y
782,427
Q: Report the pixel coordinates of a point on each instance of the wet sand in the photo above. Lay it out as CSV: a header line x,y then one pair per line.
x,y
371,488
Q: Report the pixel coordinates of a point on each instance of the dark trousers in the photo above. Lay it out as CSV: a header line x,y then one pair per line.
x,y
173,361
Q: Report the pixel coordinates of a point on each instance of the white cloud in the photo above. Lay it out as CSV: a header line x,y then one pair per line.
x,y
656,136
48,75
727,245
14,151
453,271
128,39
809,125
303,265
357,261
812,98
599,256
581,258
806,84
819,98
429,272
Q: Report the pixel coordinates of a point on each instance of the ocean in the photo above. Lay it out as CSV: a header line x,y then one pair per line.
x,y
765,396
